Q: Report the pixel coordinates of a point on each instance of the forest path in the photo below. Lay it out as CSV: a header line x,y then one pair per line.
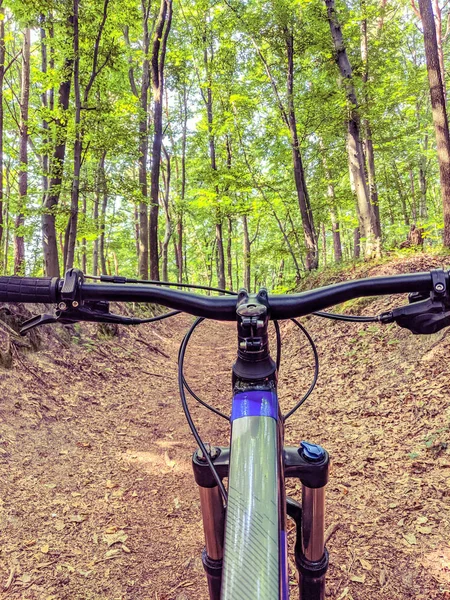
x,y
97,499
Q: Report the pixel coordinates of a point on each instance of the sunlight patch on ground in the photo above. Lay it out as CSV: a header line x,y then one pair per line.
x,y
156,463
438,562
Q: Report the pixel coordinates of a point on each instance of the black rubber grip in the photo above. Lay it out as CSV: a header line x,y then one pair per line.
x,y
28,289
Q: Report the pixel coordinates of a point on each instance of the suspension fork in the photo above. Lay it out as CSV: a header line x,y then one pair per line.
x,y
310,464
213,513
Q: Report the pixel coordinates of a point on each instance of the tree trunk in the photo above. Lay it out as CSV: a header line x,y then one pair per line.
x,y
280,277
99,184
324,244
413,196
103,222
337,246
44,101
179,248
168,227
19,244
179,245
368,144
356,242
51,198
336,229
162,30
83,241
2,76
438,25
220,256
142,224
212,156
423,212
438,109
72,227
247,256
401,195
354,145
312,253
229,254
77,149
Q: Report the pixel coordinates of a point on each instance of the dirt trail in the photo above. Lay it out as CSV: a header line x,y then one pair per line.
x,y
97,499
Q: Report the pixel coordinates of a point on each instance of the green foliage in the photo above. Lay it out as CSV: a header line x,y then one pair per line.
x,y
213,49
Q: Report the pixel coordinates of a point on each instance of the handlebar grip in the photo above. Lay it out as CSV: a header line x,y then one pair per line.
x,y
28,289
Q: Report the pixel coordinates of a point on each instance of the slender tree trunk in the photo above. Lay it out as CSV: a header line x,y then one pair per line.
x,y
51,198
354,144
179,244
77,149
312,253
19,243
6,215
84,241
247,255
337,246
324,244
168,221
162,30
99,186
44,101
438,109
423,211
103,222
280,277
143,155
336,230
401,195
413,196
142,95
229,254
438,25
72,227
368,144
212,155
356,242
220,255
2,76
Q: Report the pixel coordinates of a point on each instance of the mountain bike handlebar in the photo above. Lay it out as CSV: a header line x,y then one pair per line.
x,y
223,308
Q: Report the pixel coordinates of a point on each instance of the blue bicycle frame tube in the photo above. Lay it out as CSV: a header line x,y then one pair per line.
x,y
255,557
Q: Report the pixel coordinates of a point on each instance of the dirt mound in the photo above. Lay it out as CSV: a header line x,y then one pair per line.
x,y
97,499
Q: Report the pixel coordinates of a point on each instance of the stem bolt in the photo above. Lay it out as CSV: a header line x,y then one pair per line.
x,y
439,287
75,304
62,306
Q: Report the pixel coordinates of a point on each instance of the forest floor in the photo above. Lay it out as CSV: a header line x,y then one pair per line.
x,y
97,499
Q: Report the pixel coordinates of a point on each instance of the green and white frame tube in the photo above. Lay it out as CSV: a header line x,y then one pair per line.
x,y
255,563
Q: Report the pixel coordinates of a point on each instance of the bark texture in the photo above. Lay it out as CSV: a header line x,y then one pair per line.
x,y
56,167
440,118
19,243
161,34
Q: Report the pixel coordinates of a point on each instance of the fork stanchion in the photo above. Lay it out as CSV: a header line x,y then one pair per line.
x,y
213,514
310,464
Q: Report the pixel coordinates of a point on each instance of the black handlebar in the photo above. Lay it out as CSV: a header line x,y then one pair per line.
x,y
222,308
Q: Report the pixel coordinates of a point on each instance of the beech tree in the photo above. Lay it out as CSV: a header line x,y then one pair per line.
x,y
438,105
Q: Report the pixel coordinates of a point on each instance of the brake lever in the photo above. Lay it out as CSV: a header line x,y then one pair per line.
x,y
97,312
424,316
